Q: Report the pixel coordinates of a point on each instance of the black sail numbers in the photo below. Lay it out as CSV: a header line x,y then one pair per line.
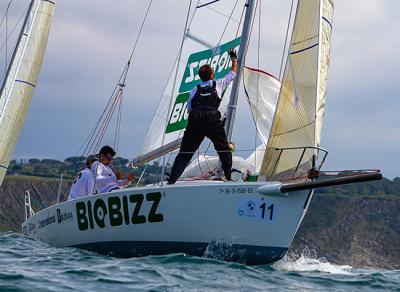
x,y
118,210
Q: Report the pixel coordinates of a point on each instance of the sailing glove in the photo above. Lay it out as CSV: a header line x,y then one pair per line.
x,y
233,55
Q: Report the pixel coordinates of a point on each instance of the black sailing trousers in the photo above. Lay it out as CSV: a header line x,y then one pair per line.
x,y
201,125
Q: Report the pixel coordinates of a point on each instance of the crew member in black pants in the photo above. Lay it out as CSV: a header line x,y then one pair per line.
x,y
205,120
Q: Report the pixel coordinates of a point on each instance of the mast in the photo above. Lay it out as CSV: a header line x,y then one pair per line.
x,y
230,115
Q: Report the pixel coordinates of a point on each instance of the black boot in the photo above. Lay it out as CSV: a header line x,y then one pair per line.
x,y
169,179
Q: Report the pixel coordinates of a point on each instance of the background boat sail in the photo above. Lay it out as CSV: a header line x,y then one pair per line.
x,y
22,75
255,221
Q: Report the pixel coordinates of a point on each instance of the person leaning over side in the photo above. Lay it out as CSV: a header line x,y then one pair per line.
x,y
105,179
205,120
83,184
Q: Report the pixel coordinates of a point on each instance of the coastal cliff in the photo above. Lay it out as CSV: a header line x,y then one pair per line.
x,y
356,225
359,231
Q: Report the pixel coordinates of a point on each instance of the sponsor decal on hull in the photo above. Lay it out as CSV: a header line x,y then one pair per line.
x,y
48,221
62,217
257,209
118,210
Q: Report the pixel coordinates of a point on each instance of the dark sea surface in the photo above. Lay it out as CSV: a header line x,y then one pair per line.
x,y
27,264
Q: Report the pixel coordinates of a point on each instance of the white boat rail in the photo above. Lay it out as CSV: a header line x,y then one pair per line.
x,y
27,205
300,161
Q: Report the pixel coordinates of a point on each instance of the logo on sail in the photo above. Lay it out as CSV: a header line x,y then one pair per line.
x,y
219,60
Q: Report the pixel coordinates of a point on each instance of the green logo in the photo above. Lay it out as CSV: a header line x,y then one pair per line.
x,y
116,211
219,60
179,114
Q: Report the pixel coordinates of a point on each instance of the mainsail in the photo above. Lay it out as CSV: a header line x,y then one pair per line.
x,y
300,109
201,46
22,75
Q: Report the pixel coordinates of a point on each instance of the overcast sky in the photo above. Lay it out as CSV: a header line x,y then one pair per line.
x,y
90,42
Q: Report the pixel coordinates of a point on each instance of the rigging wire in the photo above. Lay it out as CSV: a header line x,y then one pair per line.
x,y
174,83
286,39
206,4
140,30
222,35
15,27
167,82
89,141
251,28
240,21
6,12
97,134
5,17
258,82
219,42
221,13
227,23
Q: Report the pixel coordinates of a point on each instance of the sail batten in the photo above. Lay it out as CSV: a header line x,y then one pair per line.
x,y
21,78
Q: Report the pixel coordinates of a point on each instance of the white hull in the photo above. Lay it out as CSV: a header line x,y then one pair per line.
x,y
184,218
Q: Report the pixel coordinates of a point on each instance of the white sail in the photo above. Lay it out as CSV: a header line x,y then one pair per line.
x,y
262,90
298,117
23,72
200,47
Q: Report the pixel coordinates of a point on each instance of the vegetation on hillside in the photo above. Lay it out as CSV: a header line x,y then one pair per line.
x,y
51,168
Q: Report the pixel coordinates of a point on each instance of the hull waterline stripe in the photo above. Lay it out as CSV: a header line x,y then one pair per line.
x,y
25,82
299,51
249,254
2,166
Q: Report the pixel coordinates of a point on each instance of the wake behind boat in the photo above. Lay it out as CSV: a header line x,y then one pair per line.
x,y
253,222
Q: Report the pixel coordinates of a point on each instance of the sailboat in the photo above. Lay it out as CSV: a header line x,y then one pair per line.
x,y
253,222
21,78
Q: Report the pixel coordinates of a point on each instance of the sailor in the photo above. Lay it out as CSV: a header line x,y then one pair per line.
x,y
205,120
83,184
105,180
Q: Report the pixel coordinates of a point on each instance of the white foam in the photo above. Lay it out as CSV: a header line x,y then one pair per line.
x,y
308,262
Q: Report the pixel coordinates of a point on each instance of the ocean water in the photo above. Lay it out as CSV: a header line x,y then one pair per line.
x,y
27,264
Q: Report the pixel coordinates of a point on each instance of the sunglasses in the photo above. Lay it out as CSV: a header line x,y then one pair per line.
x,y
108,157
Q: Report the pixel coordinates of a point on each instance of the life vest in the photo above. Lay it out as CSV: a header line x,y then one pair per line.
x,y
206,98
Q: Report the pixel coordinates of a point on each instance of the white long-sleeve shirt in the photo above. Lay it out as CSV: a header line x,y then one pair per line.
x,y
220,85
105,179
82,186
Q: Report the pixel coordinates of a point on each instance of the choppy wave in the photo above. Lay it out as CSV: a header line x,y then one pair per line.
x,y
308,261
27,264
